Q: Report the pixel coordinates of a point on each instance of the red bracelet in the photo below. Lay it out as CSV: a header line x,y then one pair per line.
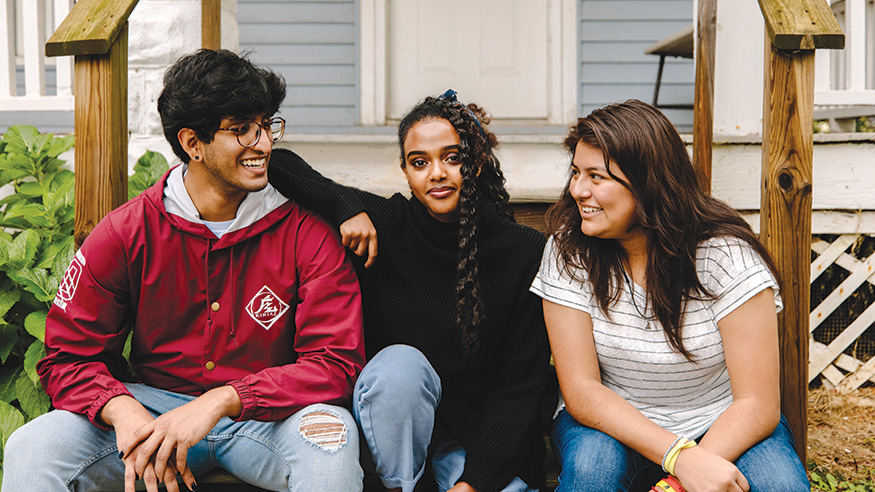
x,y
668,484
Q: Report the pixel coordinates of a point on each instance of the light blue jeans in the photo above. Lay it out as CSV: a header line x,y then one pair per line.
x,y
394,402
62,451
594,461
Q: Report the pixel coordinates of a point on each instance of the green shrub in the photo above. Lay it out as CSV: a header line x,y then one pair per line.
x,y
36,246
823,480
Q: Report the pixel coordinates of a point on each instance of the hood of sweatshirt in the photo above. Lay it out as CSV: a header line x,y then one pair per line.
x,y
258,210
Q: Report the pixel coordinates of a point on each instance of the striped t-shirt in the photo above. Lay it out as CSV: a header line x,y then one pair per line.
x,y
638,363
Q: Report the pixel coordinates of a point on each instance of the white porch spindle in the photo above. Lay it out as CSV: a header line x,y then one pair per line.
x,y
855,47
823,70
34,36
845,79
63,64
23,33
870,44
7,50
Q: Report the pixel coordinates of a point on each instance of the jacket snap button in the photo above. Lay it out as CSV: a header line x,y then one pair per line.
x,y
210,365
214,306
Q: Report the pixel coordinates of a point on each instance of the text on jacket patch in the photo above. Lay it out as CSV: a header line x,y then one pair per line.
x,y
265,308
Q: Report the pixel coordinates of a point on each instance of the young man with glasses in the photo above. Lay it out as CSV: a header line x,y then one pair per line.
x,y
244,312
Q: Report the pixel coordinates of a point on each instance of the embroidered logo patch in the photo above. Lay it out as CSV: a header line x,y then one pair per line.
x,y
70,282
265,308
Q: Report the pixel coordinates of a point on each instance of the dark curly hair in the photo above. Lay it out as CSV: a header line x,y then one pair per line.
x,y
674,212
203,87
482,183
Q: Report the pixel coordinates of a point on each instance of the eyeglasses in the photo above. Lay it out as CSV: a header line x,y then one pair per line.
x,y
249,133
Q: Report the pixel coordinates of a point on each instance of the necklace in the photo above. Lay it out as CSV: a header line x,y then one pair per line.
x,y
648,319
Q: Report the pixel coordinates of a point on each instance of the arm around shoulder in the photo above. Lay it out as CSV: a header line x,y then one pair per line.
x,y
296,179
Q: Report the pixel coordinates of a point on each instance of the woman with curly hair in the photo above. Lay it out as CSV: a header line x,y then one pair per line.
x,y
660,306
457,350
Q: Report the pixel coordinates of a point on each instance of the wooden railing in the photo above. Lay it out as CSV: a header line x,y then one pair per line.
x,y
795,29
96,33
25,42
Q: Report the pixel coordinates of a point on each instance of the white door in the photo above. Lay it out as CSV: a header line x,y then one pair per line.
x,y
492,52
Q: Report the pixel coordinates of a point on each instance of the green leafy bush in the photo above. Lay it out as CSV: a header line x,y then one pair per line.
x,y
36,246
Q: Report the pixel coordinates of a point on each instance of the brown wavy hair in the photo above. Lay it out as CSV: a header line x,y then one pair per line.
x,y
482,183
674,212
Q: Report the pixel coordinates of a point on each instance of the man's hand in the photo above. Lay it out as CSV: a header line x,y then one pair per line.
x,y
126,415
359,235
163,443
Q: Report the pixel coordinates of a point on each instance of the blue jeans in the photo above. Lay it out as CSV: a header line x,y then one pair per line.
x,y
594,461
394,402
64,451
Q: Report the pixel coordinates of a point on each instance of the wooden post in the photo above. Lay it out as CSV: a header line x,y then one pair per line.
x,y
794,29
101,127
95,32
703,105
785,217
211,24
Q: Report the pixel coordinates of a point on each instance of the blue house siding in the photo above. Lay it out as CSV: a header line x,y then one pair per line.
x,y
313,45
613,67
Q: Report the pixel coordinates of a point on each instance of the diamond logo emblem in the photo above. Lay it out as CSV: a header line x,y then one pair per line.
x,y
266,308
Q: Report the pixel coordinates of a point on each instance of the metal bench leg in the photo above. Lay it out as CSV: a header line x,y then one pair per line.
x,y
658,81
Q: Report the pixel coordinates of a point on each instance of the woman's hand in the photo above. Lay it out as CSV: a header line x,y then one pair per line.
x,y
359,235
462,487
700,470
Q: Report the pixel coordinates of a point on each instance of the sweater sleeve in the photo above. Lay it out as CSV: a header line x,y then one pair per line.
x,y
294,178
87,326
513,404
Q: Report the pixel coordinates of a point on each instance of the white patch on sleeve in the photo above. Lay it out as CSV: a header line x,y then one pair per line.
x,y
71,280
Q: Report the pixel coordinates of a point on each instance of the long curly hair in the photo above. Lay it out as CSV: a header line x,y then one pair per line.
x,y
482,183
675,214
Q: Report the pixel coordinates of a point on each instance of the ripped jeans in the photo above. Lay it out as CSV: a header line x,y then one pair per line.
x,y
62,451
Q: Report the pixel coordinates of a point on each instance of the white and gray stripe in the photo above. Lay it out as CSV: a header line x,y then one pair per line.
x,y
638,364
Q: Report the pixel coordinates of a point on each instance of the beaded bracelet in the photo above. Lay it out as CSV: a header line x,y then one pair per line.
x,y
669,451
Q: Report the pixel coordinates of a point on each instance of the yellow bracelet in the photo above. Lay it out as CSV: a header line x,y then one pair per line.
x,y
672,456
668,451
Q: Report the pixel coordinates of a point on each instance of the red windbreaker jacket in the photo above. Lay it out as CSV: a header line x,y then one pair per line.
x,y
272,308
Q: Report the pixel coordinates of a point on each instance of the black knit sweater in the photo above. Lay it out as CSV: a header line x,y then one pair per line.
x,y
490,399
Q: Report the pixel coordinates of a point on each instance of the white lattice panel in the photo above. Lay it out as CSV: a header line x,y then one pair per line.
x,y
828,361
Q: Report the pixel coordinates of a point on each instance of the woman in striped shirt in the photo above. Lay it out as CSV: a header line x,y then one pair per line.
x,y
660,305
